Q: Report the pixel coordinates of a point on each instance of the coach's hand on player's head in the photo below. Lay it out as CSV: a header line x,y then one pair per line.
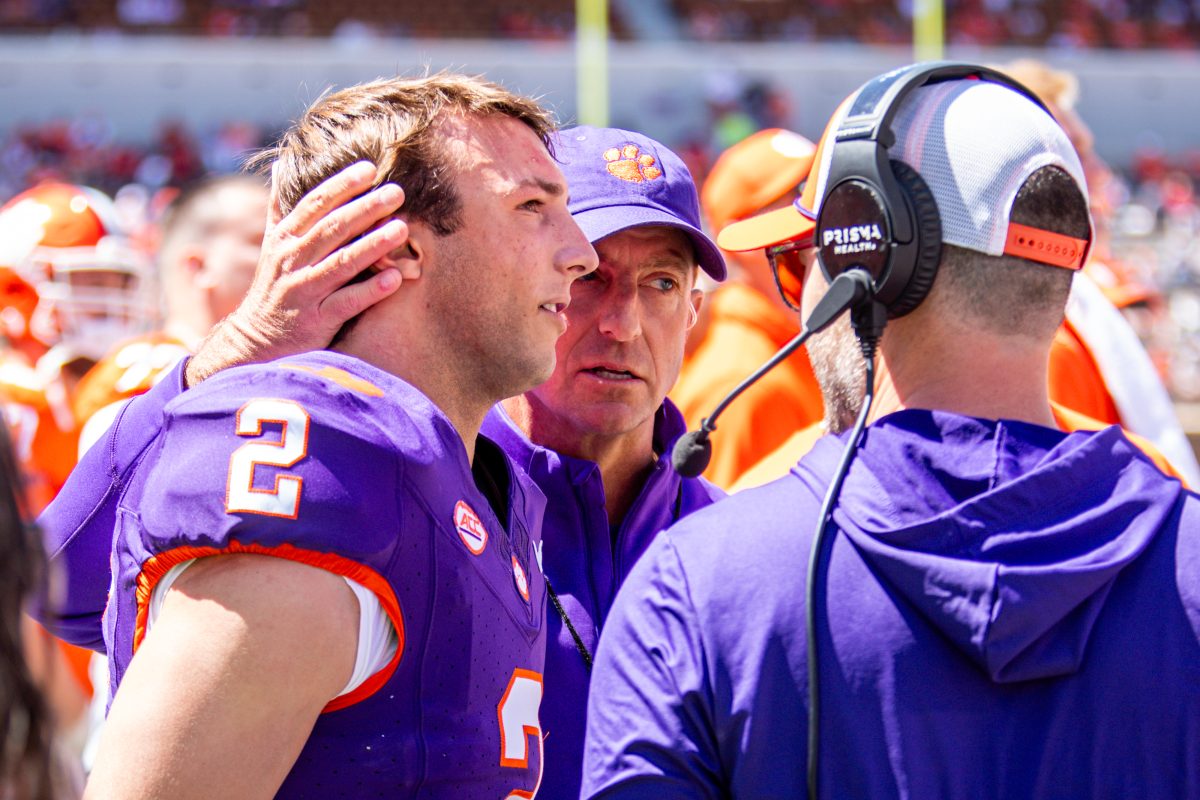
x,y
301,295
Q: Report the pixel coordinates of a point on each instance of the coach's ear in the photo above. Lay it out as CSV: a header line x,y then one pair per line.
x,y
409,258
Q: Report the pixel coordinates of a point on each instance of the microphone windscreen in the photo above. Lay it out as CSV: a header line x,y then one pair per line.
x,y
691,453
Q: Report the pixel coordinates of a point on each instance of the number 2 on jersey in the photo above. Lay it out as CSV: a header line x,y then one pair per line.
x,y
518,713
282,499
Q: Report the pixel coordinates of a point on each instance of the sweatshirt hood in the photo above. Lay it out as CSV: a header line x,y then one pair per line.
x,y
1005,536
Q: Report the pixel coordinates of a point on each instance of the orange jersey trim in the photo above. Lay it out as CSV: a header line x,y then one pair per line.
x,y
341,377
155,567
526,730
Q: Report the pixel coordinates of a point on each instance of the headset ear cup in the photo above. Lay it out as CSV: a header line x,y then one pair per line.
x,y
929,239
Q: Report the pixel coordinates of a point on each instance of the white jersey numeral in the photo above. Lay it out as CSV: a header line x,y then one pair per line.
x,y
518,714
283,499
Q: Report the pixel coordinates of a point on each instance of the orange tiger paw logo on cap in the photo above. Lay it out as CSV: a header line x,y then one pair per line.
x,y
629,164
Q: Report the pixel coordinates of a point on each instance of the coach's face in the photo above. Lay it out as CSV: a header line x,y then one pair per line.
x,y
626,328
505,276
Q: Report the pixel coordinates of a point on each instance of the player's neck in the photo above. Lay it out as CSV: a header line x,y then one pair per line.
x,y
189,316
431,373
624,458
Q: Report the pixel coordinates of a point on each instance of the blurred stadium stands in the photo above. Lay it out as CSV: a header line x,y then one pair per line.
x,y
1125,24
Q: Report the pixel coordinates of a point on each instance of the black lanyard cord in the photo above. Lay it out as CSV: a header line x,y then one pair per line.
x,y
562,612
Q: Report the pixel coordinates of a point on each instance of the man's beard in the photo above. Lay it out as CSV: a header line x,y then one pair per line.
x,y
838,364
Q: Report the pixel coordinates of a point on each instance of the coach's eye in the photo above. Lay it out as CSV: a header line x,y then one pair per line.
x,y
531,205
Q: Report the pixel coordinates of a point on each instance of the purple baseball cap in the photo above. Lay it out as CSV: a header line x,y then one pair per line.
x,y
618,180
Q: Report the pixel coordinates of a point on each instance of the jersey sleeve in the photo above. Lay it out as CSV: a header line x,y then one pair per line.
x,y
78,525
275,458
648,706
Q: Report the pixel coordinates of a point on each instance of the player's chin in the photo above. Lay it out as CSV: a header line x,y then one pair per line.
x,y
536,368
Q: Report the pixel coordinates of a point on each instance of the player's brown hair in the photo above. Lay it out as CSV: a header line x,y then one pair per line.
x,y
391,122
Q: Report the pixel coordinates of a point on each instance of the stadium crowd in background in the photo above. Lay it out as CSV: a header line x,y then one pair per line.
x,y
1122,24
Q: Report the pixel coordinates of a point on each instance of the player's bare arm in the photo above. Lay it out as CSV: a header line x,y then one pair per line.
x,y
227,684
300,294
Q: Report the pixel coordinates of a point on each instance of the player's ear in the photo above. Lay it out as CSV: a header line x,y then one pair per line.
x,y
192,265
410,257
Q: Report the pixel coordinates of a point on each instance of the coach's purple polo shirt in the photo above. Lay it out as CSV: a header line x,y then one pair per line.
x,y
585,563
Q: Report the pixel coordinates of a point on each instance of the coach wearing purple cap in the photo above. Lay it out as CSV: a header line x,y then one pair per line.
x,y
595,437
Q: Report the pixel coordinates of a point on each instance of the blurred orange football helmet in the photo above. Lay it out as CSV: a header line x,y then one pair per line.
x,y
93,286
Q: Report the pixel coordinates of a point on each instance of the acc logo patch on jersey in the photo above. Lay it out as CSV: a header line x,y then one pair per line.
x,y
521,579
470,528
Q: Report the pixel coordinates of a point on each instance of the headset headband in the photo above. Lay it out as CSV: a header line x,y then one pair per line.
x,y
878,214
875,106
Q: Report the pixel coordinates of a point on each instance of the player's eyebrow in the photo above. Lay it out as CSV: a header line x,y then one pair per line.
x,y
549,187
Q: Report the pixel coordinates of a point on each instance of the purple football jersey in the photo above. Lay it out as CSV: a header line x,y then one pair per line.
x,y
323,459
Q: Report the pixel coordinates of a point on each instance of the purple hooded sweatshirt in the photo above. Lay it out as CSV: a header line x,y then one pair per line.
x,y
1010,611
584,561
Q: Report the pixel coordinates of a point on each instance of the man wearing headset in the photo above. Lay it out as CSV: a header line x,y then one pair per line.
x,y
999,608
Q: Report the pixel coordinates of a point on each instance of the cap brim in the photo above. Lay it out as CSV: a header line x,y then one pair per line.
x,y
781,225
598,223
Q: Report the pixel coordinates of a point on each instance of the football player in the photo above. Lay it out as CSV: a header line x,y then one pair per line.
x,y
282,502
73,285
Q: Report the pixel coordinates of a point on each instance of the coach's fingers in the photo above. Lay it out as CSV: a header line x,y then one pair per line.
x,y
350,301
327,196
348,261
348,221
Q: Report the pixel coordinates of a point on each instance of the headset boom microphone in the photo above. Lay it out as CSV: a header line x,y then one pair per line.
x,y
849,289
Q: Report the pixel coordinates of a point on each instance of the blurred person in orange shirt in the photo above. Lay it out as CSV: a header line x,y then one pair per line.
x,y
786,234
73,285
746,319
210,239
1110,376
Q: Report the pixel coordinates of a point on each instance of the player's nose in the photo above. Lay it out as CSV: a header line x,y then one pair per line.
x,y
576,257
